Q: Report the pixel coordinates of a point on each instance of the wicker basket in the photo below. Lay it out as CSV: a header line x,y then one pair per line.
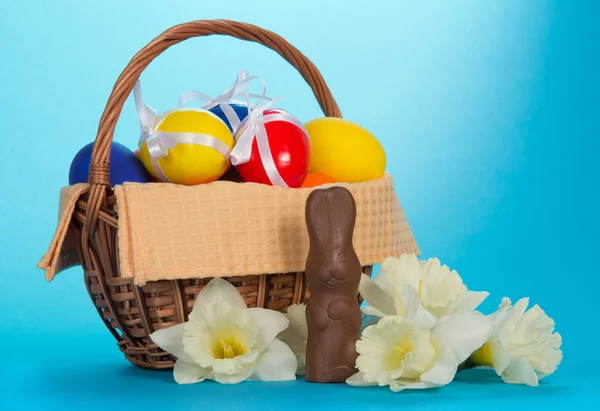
x,y
132,312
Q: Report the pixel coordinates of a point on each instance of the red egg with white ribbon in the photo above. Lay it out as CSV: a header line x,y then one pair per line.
x,y
272,147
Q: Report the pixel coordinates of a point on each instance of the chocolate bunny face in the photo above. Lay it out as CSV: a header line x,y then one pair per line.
x,y
330,219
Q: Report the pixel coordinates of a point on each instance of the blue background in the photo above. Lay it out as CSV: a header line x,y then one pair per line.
x,y
488,111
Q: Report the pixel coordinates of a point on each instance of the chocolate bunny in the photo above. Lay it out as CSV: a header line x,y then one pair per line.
x,y
333,272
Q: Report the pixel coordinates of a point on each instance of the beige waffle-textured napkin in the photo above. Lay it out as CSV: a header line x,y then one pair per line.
x,y
169,231
63,251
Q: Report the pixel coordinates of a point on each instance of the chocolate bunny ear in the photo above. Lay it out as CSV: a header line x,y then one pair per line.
x,y
317,217
343,215
330,216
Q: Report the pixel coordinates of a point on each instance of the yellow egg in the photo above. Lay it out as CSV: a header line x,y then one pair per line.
x,y
344,150
191,164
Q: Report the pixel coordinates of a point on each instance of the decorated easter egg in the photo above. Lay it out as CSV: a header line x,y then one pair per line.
x,y
240,111
316,179
124,166
189,146
344,150
279,154
152,178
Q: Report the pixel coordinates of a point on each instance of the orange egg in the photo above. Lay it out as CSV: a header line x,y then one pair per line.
x,y
316,179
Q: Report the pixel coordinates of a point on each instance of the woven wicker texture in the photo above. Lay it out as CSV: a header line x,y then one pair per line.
x,y
91,220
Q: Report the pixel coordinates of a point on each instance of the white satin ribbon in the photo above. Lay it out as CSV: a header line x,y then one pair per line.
x,y
224,99
254,127
159,142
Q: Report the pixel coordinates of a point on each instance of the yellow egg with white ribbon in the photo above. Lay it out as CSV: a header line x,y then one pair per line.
x,y
186,145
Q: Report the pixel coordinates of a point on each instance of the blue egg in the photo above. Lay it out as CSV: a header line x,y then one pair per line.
x,y
124,166
240,110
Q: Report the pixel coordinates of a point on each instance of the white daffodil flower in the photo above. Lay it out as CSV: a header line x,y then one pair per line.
x,y
296,335
523,347
226,341
440,289
417,350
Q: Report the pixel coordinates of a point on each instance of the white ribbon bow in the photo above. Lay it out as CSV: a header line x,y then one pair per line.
x,y
223,100
254,127
159,142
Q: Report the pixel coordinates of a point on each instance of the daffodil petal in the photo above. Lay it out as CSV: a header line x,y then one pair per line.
x,y
415,311
403,270
218,290
520,371
411,301
500,356
375,296
171,340
443,370
382,281
270,323
187,373
504,306
417,385
358,380
296,334
277,363
463,333
242,375
367,309
470,300
508,322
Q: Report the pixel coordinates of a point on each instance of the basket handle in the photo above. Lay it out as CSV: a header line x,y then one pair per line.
x,y
99,175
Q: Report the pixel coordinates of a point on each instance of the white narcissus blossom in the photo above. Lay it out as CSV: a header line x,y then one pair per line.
x,y
523,347
440,289
226,341
296,335
417,350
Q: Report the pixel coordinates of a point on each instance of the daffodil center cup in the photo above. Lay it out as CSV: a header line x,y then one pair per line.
x,y
228,348
398,353
483,356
